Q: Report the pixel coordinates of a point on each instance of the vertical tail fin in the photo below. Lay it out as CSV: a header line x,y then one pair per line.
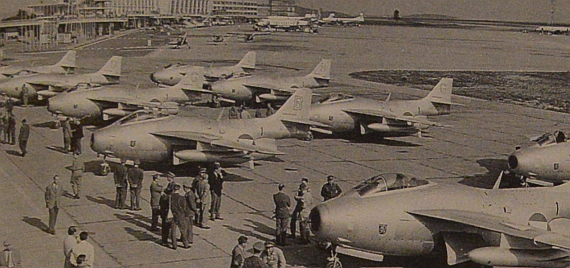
x,y
297,107
68,60
194,79
323,70
248,61
441,93
112,67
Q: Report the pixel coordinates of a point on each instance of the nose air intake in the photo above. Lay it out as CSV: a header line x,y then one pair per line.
x,y
152,78
315,219
513,162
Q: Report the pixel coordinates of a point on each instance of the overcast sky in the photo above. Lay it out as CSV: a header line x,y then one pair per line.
x,y
513,10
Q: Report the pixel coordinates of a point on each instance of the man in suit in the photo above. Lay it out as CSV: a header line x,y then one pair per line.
x,y
23,137
191,203
120,176
135,176
180,213
52,196
202,190
9,257
238,253
155,193
216,181
282,205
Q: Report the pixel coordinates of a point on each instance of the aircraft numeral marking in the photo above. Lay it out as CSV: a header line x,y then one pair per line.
x,y
133,143
382,228
556,166
298,103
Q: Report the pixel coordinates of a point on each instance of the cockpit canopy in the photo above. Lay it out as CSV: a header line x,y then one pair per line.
x,y
334,97
388,182
550,138
140,115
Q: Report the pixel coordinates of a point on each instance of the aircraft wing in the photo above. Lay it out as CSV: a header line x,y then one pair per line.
x,y
496,224
188,135
381,114
51,85
125,101
215,141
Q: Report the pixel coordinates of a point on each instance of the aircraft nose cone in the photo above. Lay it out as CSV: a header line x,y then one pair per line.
x,y
153,78
53,106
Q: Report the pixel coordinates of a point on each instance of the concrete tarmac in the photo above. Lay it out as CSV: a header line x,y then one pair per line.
x,y
472,150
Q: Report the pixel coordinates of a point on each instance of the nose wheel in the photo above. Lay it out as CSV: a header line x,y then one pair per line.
x,y
309,136
333,260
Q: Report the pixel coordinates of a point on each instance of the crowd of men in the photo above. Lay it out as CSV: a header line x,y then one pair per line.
x,y
8,126
182,205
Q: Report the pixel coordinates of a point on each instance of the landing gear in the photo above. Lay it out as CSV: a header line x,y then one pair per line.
x,y
333,260
309,136
104,169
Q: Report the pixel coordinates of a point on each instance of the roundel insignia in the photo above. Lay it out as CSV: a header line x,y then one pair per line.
x,y
539,221
194,77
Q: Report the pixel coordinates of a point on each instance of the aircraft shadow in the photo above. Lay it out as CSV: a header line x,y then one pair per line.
x,y
35,222
48,124
487,180
374,139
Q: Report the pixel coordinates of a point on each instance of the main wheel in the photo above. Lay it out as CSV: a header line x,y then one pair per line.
x,y
334,264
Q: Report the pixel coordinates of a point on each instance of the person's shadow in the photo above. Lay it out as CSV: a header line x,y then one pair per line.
x,y
36,223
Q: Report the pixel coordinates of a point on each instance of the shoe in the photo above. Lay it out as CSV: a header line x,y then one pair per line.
x,y
212,219
219,218
186,247
137,209
204,226
75,197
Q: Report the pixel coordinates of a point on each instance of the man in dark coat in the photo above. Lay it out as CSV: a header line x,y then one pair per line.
x,y
66,127
11,128
201,188
191,202
76,136
164,204
23,136
216,181
120,176
180,213
52,196
255,261
155,193
135,177
282,205
330,189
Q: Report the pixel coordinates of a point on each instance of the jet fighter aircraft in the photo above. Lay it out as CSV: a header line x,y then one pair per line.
x,y
259,88
347,114
403,215
65,66
43,86
189,139
108,103
172,74
543,163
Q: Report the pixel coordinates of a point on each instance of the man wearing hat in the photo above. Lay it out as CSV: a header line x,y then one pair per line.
x,y
9,257
155,193
180,213
330,189
190,198
52,198
170,186
282,205
216,180
135,177
202,190
255,261
299,205
23,137
273,256
121,183
68,243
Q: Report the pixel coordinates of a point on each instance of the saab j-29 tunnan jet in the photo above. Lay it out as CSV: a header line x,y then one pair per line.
x,y
543,163
109,103
402,215
43,86
347,114
65,66
179,139
172,74
259,88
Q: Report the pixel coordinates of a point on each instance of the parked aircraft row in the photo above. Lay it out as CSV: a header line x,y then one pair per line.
x,y
58,78
65,66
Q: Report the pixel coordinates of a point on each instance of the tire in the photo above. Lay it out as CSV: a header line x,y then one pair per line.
x,y
334,264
